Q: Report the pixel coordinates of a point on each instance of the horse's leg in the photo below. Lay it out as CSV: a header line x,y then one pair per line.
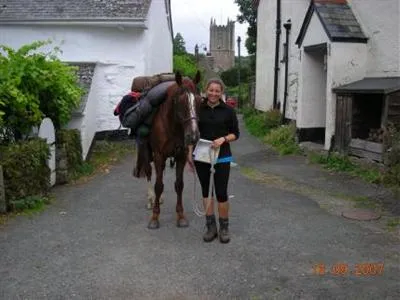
x,y
150,195
180,165
159,164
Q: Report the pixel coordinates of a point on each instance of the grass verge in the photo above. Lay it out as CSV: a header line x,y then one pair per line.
x,y
103,155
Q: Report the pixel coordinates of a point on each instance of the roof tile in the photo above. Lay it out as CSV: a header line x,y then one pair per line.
x,y
73,9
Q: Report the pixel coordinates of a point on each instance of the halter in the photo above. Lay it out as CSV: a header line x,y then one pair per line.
x,y
191,98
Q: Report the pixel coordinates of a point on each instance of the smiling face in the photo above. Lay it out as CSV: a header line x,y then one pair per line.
x,y
214,92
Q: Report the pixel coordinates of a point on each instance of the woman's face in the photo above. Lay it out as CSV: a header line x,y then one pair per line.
x,y
214,93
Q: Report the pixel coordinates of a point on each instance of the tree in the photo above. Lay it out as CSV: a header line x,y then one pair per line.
x,y
230,77
179,45
249,15
185,64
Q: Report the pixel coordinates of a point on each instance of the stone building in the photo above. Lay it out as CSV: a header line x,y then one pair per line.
x,y
222,45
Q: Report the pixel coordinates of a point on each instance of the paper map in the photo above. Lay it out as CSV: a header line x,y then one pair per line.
x,y
202,151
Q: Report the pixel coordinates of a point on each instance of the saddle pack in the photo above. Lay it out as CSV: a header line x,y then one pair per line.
x,y
137,109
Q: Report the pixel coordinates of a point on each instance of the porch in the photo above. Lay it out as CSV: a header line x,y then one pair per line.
x,y
364,110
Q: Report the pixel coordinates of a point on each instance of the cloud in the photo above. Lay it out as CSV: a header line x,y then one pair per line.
x,y
192,18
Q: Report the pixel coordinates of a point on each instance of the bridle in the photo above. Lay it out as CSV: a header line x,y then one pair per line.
x,y
191,99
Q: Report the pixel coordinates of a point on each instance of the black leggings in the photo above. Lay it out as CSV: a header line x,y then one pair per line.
x,y
221,178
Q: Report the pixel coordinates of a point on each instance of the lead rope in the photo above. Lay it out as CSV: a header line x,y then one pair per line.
x,y
196,207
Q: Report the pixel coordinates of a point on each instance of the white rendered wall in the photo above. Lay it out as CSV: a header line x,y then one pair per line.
x,y
266,35
82,43
295,10
315,35
265,55
382,27
312,108
112,82
87,122
159,40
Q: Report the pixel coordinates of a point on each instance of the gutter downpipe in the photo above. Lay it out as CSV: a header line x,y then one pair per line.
x,y
288,26
277,44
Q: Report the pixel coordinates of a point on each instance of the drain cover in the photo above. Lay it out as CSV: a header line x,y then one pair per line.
x,y
361,215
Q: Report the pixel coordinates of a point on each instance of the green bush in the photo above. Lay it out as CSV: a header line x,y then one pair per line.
x,y
283,140
32,203
230,77
25,169
391,174
260,123
34,85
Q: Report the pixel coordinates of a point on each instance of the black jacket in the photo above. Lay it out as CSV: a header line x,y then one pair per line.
x,y
218,122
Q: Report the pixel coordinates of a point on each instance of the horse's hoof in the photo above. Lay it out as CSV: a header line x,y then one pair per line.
x,y
182,223
154,224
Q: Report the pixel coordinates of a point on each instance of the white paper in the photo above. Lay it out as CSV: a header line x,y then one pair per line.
x,y
202,151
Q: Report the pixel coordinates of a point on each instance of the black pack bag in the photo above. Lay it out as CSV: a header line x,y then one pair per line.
x,y
127,103
134,110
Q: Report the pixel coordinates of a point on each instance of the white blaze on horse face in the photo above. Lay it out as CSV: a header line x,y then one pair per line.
x,y
192,111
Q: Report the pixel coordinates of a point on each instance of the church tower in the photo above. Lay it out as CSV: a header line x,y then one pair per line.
x,y
222,45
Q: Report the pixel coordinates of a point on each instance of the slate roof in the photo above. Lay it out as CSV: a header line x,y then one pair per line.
x,y
73,10
85,73
338,21
376,85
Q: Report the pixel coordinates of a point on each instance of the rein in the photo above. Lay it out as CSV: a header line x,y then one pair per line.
x,y
196,209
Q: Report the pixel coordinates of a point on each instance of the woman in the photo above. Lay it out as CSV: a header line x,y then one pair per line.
x,y
217,123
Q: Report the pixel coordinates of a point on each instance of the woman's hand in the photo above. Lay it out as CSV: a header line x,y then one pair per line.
x,y
218,142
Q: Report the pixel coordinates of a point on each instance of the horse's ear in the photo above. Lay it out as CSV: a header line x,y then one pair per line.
x,y
197,78
178,78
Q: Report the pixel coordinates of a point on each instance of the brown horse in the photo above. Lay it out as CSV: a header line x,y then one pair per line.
x,y
174,129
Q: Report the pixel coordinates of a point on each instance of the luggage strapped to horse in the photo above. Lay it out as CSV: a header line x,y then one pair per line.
x,y
135,111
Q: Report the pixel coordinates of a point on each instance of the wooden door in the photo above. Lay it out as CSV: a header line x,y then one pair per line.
x,y
343,122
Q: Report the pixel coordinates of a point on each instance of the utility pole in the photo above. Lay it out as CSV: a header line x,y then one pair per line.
x,y
196,53
238,43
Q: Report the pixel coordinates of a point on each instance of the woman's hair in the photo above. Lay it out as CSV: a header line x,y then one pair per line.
x,y
216,81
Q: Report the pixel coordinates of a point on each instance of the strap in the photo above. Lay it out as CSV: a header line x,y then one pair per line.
x,y
225,159
132,108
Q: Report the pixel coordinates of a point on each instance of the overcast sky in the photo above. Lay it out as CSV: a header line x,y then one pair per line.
x,y
192,19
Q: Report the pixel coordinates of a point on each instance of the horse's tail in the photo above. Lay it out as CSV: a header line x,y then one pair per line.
x,y
143,161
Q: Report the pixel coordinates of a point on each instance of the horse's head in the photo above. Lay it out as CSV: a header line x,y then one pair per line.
x,y
186,104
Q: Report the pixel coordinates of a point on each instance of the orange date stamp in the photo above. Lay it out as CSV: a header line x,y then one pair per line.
x,y
343,269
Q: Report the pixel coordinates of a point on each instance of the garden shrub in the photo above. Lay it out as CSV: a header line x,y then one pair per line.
x,y
283,139
260,123
25,169
34,85
391,174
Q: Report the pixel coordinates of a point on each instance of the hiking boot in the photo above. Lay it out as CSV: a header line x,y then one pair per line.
x,y
224,230
212,231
